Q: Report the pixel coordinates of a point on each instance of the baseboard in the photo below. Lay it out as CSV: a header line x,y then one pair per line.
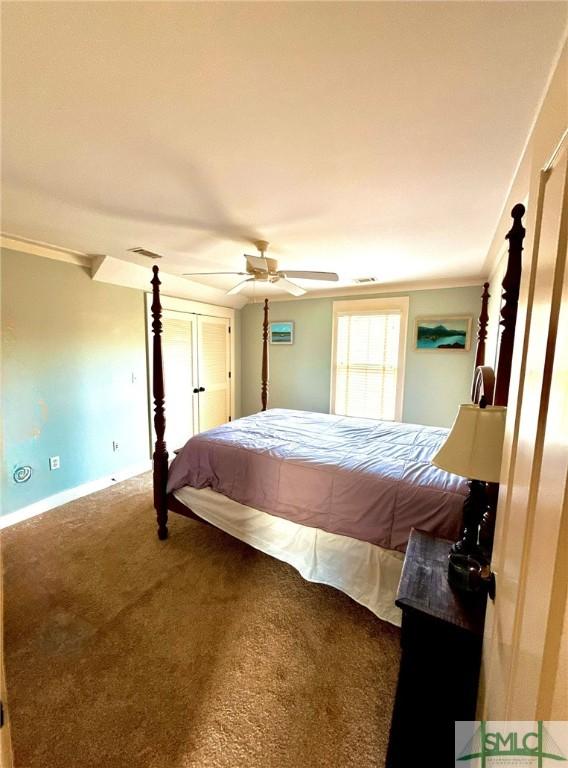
x,y
44,505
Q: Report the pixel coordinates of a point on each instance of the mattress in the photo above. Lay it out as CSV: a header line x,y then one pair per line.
x,y
364,479
367,573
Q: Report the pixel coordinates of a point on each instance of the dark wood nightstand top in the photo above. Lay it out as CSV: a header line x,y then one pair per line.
x,y
424,585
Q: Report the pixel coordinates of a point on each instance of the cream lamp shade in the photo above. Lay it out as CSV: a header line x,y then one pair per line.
x,y
474,445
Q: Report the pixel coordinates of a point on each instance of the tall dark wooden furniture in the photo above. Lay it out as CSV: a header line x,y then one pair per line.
x,y
441,637
480,384
160,456
482,326
264,381
511,288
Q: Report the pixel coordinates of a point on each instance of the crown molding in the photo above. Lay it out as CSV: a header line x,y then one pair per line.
x,y
48,251
377,289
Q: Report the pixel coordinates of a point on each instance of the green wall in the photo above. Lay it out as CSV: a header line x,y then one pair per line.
x,y
300,375
74,377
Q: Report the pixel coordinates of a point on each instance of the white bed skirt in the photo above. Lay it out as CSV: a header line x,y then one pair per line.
x,y
366,572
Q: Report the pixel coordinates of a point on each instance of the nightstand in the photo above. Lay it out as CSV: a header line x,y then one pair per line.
x,y
441,638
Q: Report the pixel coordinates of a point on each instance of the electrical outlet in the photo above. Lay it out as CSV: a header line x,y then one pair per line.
x,y
114,446
54,462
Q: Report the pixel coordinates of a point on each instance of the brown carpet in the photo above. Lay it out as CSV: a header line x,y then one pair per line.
x,y
126,652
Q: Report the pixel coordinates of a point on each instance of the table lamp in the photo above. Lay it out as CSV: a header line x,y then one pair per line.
x,y
473,449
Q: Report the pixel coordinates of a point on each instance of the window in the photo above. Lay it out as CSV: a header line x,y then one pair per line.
x,y
369,340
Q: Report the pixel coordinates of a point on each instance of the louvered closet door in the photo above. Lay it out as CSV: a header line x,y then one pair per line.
x,y
214,369
180,376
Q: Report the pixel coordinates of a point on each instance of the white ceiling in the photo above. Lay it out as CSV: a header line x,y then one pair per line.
x,y
367,138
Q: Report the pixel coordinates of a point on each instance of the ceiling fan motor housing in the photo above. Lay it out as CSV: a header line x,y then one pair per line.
x,y
270,266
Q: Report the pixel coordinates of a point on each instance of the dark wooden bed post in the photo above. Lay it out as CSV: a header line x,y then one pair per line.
x,y
511,286
160,476
482,326
264,384
480,351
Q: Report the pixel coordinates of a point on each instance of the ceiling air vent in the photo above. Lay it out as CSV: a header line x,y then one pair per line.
x,y
364,280
145,252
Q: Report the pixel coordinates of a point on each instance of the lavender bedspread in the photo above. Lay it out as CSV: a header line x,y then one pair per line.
x,y
367,479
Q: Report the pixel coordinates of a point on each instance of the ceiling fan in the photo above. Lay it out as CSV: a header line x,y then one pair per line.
x,y
264,270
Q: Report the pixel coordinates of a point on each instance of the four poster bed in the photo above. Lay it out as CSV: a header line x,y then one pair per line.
x,y
334,496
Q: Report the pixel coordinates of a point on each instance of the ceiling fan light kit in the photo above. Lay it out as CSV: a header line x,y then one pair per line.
x,y
263,269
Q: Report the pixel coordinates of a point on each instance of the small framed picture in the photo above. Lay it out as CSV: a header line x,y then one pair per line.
x,y
282,332
443,332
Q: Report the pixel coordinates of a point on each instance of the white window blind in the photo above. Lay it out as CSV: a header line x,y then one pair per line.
x,y
367,366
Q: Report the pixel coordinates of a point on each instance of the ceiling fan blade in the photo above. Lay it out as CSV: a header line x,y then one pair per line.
x,y
309,275
239,286
198,274
292,288
257,262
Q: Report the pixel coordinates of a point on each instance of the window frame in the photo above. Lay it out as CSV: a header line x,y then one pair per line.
x,y
373,307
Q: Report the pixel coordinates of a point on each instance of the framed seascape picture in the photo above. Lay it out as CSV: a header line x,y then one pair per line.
x,y
282,332
443,332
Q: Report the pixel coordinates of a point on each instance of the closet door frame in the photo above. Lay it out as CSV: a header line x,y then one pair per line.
x,y
194,308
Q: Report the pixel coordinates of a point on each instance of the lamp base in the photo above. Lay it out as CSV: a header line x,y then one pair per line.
x,y
468,574
473,509
468,566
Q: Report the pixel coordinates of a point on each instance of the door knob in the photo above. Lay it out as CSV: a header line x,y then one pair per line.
x,y
202,389
195,390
